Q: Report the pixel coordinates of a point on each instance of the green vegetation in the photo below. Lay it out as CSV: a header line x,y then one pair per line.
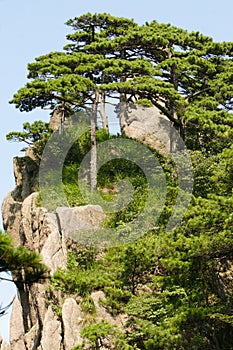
x,y
187,76
171,284
20,261
35,135
25,265
175,287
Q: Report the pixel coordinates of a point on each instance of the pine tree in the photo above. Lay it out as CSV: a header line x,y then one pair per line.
x,y
185,75
25,265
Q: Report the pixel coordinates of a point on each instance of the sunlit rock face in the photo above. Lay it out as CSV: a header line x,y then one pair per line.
x,y
34,322
148,125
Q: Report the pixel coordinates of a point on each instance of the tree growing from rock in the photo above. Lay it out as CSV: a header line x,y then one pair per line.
x,y
113,60
34,135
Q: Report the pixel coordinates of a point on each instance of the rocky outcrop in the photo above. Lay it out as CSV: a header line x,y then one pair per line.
x,y
149,126
35,323
29,225
26,175
83,218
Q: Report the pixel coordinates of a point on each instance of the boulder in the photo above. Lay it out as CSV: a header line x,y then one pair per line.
x,y
149,126
78,221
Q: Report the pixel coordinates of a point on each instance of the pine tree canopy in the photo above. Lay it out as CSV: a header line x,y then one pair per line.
x,y
186,75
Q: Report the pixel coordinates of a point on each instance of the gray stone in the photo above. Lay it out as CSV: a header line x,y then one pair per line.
x,y
26,174
32,336
148,125
56,119
72,317
101,313
17,330
11,215
42,234
74,221
54,252
51,336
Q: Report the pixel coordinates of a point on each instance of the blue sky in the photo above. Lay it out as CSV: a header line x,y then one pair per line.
x,y
31,28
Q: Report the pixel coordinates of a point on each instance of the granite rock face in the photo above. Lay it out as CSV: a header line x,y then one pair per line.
x,y
51,337
149,126
85,217
34,322
72,317
31,226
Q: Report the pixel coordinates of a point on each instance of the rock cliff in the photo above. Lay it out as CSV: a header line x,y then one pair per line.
x,y
34,323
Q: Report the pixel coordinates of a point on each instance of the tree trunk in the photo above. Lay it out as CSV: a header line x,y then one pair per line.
x,y
123,113
123,105
179,125
103,114
93,162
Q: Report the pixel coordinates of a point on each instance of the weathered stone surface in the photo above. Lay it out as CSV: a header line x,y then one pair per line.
x,y
74,221
101,312
41,234
54,252
11,215
51,336
72,317
20,345
59,118
33,323
26,173
4,345
26,225
147,125
32,337
32,227
17,330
